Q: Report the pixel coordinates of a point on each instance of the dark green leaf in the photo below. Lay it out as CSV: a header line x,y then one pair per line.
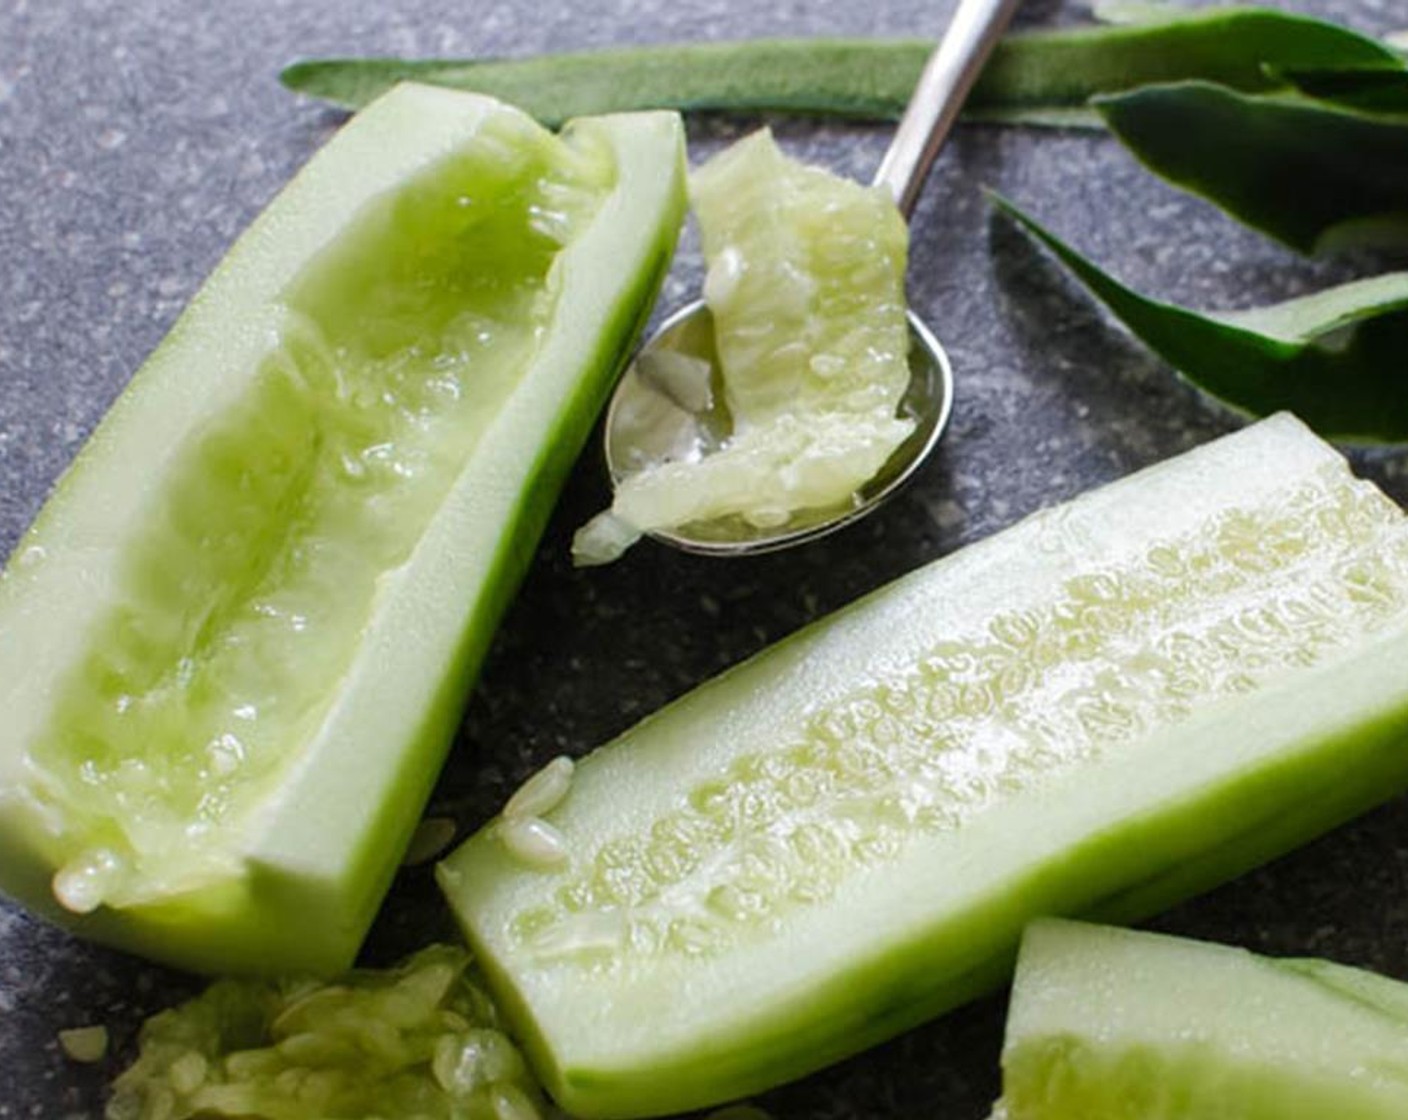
x,y
1242,48
1035,77
1373,91
1309,174
1338,359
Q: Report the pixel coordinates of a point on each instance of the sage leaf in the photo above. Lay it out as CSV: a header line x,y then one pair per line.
x,y
1310,174
1040,77
1338,358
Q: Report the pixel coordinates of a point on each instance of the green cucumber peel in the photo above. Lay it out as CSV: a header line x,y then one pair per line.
x,y
1036,77
1335,358
1239,151
1107,1023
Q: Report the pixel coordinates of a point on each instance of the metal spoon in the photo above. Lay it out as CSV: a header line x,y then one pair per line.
x,y
649,418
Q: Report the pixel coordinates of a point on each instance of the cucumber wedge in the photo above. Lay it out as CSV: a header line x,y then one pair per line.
x,y
234,645
1110,1024
1111,706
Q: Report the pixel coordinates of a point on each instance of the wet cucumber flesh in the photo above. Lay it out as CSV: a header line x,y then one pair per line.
x,y
234,644
806,285
1113,1024
420,1041
1111,706
806,291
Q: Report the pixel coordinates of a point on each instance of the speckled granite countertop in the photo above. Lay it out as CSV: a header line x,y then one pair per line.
x,y
137,139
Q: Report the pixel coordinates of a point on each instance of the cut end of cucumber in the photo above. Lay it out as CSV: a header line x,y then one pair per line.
x,y
806,293
317,472
1104,709
1112,1024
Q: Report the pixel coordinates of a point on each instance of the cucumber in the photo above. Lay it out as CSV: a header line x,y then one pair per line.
x,y
420,1041
234,645
1111,706
805,291
1112,1024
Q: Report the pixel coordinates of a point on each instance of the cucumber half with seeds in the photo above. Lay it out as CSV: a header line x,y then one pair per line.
x,y
1109,707
234,645
1112,1024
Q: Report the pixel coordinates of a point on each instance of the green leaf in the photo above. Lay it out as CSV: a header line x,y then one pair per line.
x,y
863,78
1309,174
1372,91
1338,359
1243,48
1033,77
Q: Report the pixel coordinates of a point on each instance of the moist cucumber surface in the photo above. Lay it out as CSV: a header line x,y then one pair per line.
x,y
1111,706
806,285
234,644
806,292
420,1041
1113,1024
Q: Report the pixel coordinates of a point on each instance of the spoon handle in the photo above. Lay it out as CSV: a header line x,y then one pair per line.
x,y
948,76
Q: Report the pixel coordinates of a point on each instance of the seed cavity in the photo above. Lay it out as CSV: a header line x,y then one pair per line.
x,y
985,714
233,616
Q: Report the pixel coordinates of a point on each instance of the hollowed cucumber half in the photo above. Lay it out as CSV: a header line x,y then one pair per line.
x,y
1113,1024
1106,708
234,645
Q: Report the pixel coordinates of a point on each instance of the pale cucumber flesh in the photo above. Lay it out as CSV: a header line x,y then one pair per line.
x,y
1112,1024
239,609
234,645
1109,707
420,1041
805,283
805,291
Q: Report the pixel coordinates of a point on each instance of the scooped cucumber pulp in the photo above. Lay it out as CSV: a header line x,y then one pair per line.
x,y
234,644
421,1040
1110,706
806,293
1112,1024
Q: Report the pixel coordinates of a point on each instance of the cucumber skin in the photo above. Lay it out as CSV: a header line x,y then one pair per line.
x,y
299,902
1093,1007
1317,762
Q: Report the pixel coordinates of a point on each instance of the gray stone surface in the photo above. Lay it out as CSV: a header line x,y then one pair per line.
x,y
137,139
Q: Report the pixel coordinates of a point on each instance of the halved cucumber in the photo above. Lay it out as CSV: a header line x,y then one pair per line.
x,y
1110,1024
1108,707
234,645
